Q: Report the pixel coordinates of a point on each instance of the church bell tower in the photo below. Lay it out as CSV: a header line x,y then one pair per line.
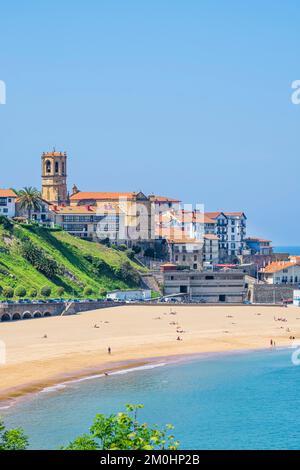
x,y
54,177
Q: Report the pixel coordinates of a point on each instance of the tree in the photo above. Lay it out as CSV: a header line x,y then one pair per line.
x,y
122,431
88,290
32,292
13,439
29,200
8,292
46,291
20,291
102,292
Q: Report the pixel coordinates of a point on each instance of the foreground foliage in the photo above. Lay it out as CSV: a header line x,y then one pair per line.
x,y
13,439
120,431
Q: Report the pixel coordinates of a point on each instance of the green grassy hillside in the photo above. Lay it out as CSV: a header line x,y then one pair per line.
x,y
33,257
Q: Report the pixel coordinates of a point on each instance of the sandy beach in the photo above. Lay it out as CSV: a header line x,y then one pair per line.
x,y
137,335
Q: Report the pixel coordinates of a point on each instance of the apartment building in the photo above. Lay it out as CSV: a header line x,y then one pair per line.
x,y
211,249
136,213
7,202
164,204
259,246
91,222
183,250
231,231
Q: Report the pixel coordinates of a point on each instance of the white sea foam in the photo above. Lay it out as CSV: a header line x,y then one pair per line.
x,y
53,388
63,385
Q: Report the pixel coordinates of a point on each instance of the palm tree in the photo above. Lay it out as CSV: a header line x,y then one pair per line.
x,y
30,200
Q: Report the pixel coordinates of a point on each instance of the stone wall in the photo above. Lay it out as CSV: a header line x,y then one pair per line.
x,y
20,311
270,293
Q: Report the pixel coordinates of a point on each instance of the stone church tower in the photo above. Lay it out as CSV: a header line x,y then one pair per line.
x,y
54,177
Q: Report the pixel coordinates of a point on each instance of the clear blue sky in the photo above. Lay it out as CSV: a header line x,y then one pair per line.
x,y
189,99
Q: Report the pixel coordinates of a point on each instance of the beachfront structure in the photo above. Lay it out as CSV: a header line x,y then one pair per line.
x,y
7,202
212,287
282,272
259,246
54,177
129,295
231,231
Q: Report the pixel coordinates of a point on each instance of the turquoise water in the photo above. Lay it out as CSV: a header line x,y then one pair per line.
x,y
292,250
237,401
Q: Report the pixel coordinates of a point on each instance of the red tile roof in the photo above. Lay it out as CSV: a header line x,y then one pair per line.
x,y
211,236
278,266
102,196
7,193
157,198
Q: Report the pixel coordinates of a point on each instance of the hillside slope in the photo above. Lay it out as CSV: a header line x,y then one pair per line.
x,y
32,257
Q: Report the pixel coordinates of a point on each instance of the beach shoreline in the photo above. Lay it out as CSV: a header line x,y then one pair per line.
x,y
139,336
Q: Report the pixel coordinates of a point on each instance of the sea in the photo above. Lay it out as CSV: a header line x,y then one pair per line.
x,y
243,400
292,250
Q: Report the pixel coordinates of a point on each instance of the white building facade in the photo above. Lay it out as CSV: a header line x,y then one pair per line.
x,y
8,202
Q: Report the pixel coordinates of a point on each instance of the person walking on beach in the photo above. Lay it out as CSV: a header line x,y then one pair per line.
x,y
109,350
271,342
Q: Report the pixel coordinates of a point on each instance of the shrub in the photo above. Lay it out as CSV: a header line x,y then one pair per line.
x,y
8,292
5,222
20,291
130,253
102,292
127,273
46,291
32,292
88,291
60,291
122,247
39,259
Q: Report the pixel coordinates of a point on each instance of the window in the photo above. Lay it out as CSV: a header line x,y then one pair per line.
x,y
3,201
63,168
5,211
56,167
195,266
195,258
48,166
